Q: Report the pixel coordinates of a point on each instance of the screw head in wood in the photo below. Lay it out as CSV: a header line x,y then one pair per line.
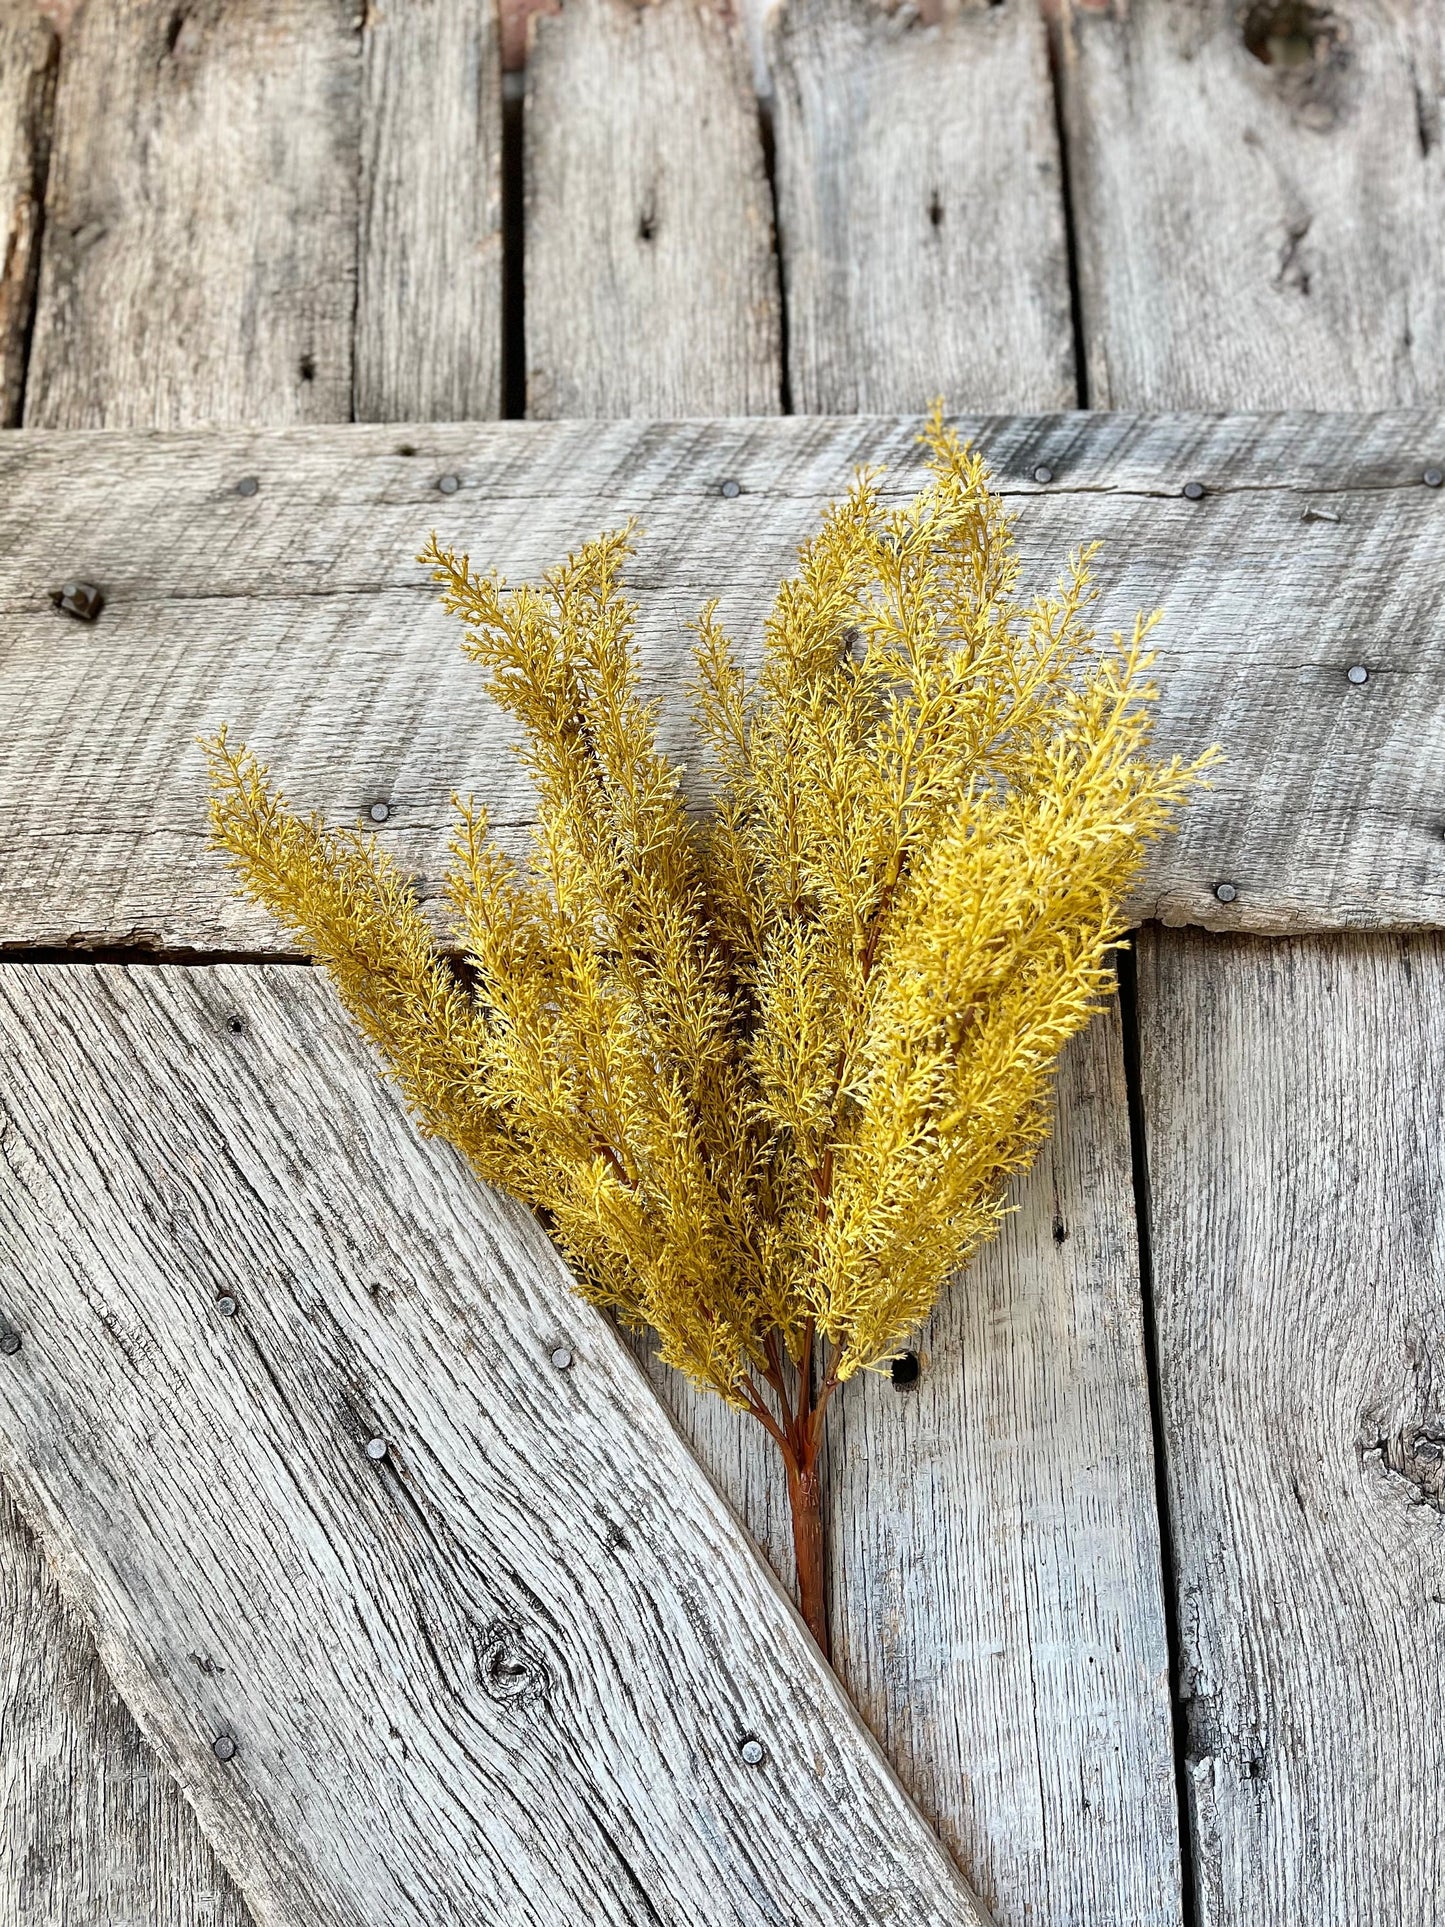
x,y
9,1343
1043,474
730,488
376,1448
448,484
562,1358
1226,892
224,1747
1433,477
379,812
752,1750
1357,673
247,485
1194,491
79,599
226,1305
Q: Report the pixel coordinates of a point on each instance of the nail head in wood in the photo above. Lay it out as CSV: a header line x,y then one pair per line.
x,y
1433,477
376,1448
1226,892
1194,491
9,1343
224,1747
448,484
79,599
753,1751
379,812
226,1305
1043,474
1357,673
247,485
562,1358
730,488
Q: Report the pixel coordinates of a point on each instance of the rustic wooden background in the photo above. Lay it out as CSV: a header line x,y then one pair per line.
x,y
1141,1584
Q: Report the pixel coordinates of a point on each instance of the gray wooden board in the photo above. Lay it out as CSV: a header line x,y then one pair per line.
x,y
998,1615
651,285
1294,1097
1258,229
920,208
503,1672
429,300
92,1830
27,84
201,216
298,614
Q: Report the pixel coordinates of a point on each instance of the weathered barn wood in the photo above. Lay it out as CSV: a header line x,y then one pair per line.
x,y
27,86
1257,197
477,1638
651,285
920,209
429,301
297,612
1294,1096
201,217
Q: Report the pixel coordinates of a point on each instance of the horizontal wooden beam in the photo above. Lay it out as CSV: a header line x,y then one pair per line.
x,y
382,1534
267,578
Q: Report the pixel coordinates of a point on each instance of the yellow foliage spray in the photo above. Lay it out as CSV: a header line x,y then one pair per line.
x,y
764,1072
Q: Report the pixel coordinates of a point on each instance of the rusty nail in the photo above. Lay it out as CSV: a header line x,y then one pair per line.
x,y
226,1305
1432,478
9,1343
247,485
1357,672
379,812
1194,491
376,1448
1043,473
752,1750
224,1747
562,1358
730,488
448,484
1226,892
79,599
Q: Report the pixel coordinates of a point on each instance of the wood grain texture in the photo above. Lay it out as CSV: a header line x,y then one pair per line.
x,y
1293,1096
201,216
1258,228
504,1671
27,87
920,209
651,286
92,1829
429,301
298,613
997,1604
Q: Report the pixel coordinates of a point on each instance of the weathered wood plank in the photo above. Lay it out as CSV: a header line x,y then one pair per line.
x,y
651,287
201,217
92,1828
298,613
1259,195
1293,1096
528,1637
920,208
429,303
997,1612
27,88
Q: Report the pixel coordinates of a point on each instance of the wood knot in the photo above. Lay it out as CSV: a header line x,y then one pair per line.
x,y
509,1671
1306,49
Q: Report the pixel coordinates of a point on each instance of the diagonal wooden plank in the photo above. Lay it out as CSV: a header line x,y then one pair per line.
x,y
27,86
1257,195
651,287
298,612
504,1668
1293,1097
429,299
920,208
201,217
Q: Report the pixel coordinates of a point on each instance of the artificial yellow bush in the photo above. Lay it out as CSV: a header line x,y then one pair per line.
x,y
766,1070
